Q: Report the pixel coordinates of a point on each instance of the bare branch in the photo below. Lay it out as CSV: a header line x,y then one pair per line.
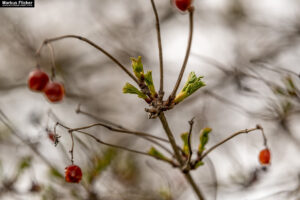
x,y
187,55
53,67
114,145
227,139
161,87
92,44
80,111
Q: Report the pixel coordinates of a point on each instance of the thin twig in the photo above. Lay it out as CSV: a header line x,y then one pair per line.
x,y
114,145
161,67
80,111
53,67
227,139
187,55
92,44
123,128
145,136
263,134
72,148
121,131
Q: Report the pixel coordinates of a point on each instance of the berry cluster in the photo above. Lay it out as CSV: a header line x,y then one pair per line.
x,y
39,81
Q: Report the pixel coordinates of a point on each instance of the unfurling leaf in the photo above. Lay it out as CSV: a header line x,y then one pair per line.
x,y
130,89
204,136
193,84
137,67
155,153
149,82
198,164
184,137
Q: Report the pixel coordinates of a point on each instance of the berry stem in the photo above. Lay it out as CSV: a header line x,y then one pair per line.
x,y
72,148
263,134
187,55
161,87
227,139
53,66
92,44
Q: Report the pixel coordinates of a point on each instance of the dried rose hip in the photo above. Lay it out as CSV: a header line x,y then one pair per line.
x,y
37,80
264,157
183,5
54,91
51,136
73,174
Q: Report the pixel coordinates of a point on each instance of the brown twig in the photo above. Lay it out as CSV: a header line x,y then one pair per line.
x,y
53,67
227,139
263,134
161,67
171,138
92,44
72,147
80,111
187,55
145,136
114,145
121,131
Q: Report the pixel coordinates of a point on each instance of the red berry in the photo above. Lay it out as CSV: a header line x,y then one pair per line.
x,y
54,91
264,157
183,5
37,80
73,174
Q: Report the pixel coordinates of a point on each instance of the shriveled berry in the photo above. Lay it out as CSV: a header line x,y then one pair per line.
x,y
264,157
183,5
54,91
73,174
37,80
51,136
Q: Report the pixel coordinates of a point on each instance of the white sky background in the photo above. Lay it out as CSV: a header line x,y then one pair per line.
x,y
93,75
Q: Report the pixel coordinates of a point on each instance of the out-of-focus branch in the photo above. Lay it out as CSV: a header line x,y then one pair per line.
x,y
4,119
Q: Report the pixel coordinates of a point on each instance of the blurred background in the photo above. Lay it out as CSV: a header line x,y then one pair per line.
x,y
248,52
